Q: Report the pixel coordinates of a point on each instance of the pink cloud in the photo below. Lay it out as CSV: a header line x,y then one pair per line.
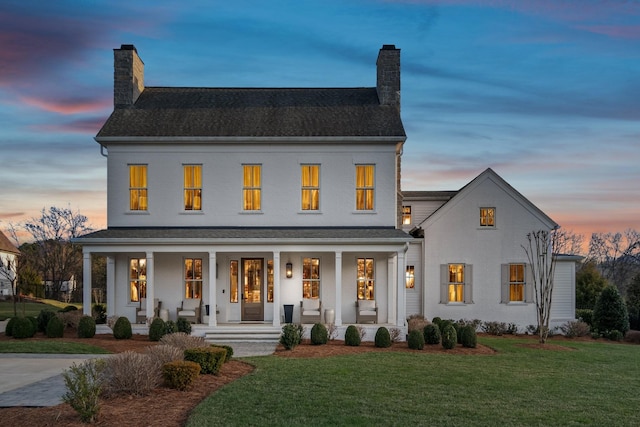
x,y
71,106
84,126
619,32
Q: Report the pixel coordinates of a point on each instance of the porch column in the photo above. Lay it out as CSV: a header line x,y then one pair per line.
x,y
213,289
392,286
150,285
402,309
111,286
86,283
338,262
276,289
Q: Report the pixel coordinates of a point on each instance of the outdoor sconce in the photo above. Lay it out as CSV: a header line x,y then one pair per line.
x,y
289,272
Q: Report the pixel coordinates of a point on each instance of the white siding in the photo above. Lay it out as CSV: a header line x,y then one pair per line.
x,y
563,299
414,296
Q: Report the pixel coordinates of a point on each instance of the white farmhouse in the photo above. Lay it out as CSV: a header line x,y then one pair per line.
x,y
234,205
8,259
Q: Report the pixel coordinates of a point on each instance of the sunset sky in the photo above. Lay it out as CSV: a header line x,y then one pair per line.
x,y
545,92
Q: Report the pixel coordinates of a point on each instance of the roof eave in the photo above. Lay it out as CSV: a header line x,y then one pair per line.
x,y
103,140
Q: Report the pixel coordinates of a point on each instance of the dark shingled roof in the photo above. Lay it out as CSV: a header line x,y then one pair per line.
x,y
6,245
238,234
251,112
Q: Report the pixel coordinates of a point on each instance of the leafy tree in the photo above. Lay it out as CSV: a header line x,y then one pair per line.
x,y
617,255
633,292
540,252
610,313
589,284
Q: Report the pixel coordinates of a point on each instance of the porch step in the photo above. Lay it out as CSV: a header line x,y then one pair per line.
x,y
243,334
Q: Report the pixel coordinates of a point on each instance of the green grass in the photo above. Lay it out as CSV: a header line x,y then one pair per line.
x,y
31,308
52,347
596,383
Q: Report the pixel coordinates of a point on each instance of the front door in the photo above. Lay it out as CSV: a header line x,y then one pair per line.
x,y
252,293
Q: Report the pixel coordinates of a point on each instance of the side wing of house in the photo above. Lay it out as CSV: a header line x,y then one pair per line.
x,y
475,266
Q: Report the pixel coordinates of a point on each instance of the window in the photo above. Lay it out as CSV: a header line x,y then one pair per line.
x,y
516,281
233,281
192,187
270,280
138,187
311,278
251,190
137,278
366,278
487,217
310,187
365,175
406,215
193,278
456,283
410,279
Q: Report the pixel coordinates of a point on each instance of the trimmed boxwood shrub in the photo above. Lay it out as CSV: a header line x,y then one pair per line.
x,y
437,320
610,312
69,308
431,334
183,325
8,329
352,336
86,327
229,351
34,322
22,328
43,319
586,315
122,329
210,358
291,335
449,337
180,374
468,337
383,338
157,329
55,328
416,340
319,334
170,327
615,335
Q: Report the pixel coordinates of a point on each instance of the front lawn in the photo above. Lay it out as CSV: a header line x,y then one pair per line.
x,y
588,383
52,347
31,308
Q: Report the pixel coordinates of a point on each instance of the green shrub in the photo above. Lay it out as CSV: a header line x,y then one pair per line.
x,y
180,374
436,320
291,335
494,328
416,340
586,315
69,308
382,338
99,312
43,319
157,329
431,334
86,327
449,338
34,322
634,317
210,359
352,336
170,327
468,337
84,385
319,334
615,335
22,328
122,329
55,328
610,312
183,325
229,351
8,329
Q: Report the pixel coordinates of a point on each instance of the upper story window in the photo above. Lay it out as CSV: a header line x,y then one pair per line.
x,y
192,187
310,187
410,278
311,278
406,215
138,187
251,187
137,279
487,217
366,278
365,187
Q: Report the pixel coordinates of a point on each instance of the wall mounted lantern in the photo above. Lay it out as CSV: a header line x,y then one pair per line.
x,y
289,271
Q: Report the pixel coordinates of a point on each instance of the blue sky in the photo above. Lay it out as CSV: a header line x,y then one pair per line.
x,y
547,93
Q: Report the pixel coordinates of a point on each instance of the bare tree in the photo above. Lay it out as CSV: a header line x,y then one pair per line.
x,y
569,243
541,250
617,256
53,233
9,270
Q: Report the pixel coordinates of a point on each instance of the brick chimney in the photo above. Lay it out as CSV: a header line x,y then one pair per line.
x,y
388,82
128,76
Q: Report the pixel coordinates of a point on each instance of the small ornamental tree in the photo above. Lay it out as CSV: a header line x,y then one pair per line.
x,y
610,312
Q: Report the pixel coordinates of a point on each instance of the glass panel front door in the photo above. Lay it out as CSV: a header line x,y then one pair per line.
x,y
252,289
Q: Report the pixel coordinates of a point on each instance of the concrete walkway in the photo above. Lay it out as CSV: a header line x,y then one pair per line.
x,y
36,379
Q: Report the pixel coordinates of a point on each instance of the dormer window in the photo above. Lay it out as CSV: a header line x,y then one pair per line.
x,y
487,217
